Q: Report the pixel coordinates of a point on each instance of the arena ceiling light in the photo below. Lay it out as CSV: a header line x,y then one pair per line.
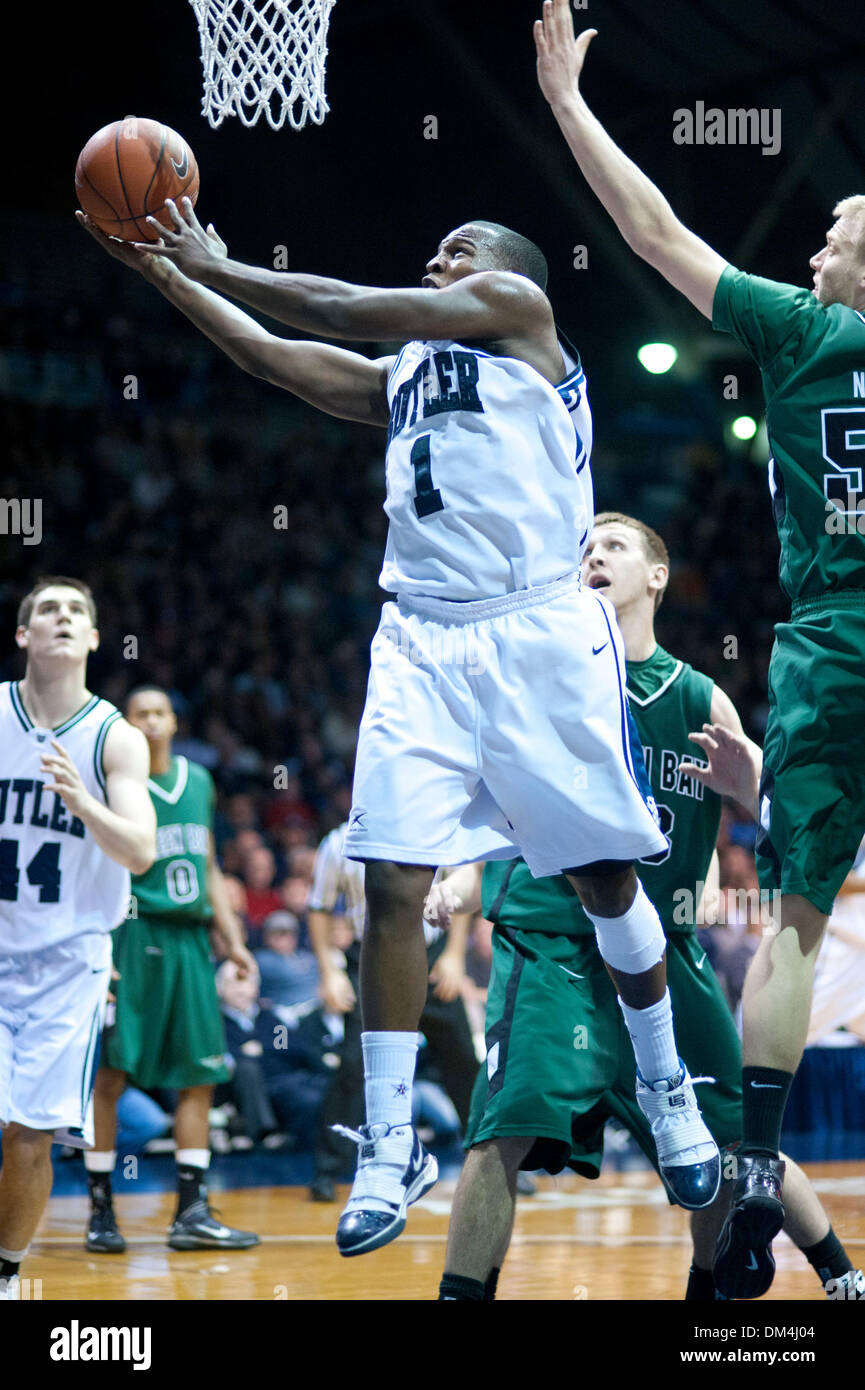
x,y
744,427
657,358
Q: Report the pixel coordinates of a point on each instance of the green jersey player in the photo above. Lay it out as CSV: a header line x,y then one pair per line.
x,y
168,1029
810,346
557,1051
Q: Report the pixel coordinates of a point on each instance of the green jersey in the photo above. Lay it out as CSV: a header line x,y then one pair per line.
x,y
175,886
669,700
812,361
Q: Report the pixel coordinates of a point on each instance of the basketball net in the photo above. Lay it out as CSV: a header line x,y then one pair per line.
x,y
264,56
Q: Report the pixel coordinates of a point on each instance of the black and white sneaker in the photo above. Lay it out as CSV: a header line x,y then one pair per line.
x,y
688,1156
744,1265
393,1170
198,1228
103,1237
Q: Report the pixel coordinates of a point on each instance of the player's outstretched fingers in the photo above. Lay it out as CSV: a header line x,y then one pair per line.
x,y
219,245
174,214
188,214
705,739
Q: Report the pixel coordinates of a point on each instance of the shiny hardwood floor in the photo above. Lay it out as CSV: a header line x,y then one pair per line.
x,y
615,1239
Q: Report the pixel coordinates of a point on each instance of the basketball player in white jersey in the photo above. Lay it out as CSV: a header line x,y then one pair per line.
x,y
75,819
495,721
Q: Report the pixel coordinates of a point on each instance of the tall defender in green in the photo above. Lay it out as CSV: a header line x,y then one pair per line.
x,y
810,347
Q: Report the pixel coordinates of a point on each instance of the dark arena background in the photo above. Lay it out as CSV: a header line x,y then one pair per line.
x,y
233,536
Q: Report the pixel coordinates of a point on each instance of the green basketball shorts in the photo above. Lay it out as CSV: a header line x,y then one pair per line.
x,y
560,1061
167,1028
812,793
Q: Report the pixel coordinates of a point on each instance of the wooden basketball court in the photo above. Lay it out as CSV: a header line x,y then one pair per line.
x,y
614,1239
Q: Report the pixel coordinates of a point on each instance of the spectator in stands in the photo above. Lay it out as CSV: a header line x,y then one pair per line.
x,y
289,974
279,1072
262,893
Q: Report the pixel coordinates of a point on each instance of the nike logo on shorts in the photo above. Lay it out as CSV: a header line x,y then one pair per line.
x,y
572,974
699,964
596,650
753,1258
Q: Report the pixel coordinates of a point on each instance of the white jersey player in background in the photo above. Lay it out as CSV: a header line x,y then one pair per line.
x,y
75,819
495,721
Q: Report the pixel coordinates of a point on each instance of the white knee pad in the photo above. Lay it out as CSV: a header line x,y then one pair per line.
x,y
633,942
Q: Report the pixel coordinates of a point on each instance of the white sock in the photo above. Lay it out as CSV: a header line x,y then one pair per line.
x,y
388,1071
13,1256
654,1042
193,1158
100,1160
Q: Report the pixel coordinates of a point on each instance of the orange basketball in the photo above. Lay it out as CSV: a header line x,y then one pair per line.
x,y
127,170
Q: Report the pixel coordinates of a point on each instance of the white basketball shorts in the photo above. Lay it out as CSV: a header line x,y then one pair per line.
x,y
52,1004
499,728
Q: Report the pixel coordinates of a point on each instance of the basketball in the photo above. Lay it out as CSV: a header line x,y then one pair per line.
x,y
127,170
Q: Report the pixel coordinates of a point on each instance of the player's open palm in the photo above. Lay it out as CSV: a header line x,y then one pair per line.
x,y
731,770
121,250
560,55
125,251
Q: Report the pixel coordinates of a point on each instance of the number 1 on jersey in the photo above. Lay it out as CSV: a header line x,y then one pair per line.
x,y
427,499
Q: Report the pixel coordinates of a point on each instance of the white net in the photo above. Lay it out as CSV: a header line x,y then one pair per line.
x,y
264,56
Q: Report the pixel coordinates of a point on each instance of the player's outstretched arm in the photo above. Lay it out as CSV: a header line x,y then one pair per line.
x,y
639,210
342,383
125,829
491,305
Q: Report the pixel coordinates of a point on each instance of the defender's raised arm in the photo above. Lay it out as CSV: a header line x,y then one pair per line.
x,y
639,210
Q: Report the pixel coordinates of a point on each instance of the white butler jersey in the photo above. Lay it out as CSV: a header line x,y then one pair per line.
x,y
489,489
55,881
